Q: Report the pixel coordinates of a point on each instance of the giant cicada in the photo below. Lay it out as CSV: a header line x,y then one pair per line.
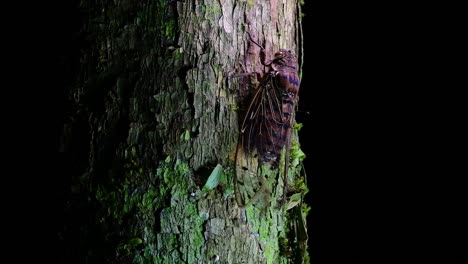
x,y
266,127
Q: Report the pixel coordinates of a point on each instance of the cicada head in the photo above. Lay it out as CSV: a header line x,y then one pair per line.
x,y
284,59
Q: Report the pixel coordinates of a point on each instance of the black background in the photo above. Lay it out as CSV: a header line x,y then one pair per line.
x,y
382,183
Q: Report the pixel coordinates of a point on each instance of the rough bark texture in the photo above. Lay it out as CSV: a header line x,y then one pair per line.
x,y
149,116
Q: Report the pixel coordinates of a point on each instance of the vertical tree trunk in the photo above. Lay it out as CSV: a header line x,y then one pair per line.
x,y
150,116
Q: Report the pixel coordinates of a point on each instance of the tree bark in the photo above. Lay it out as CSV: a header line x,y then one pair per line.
x,y
151,129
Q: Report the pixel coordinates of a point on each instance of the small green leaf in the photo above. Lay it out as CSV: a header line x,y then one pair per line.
x,y
300,157
185,136
135,241
297,155
297,126
214,178
294,201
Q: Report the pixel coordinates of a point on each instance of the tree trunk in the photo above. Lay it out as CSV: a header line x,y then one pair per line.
x,y
151,128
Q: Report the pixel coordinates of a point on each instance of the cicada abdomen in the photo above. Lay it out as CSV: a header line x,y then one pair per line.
x,y
266,128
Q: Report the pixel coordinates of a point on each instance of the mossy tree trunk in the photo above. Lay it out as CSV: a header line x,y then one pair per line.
x,y
150,115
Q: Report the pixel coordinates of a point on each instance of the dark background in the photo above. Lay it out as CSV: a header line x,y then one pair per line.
x,y
383,186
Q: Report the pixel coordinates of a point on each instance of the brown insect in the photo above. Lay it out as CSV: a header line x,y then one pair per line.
x,y
266,127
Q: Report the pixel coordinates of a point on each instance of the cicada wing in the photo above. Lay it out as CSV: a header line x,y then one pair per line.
x,y
246,178
258,143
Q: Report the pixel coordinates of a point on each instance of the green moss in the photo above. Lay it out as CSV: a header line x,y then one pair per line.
x,y
180,238
170,28
284,249
178,53
251,3
297,126
228,184
301,14
262,222
212,12
150,200
134,200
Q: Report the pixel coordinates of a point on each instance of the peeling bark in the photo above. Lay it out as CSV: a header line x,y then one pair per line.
x,y
151,114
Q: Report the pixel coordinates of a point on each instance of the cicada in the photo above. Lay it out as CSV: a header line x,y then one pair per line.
x,y
266,127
